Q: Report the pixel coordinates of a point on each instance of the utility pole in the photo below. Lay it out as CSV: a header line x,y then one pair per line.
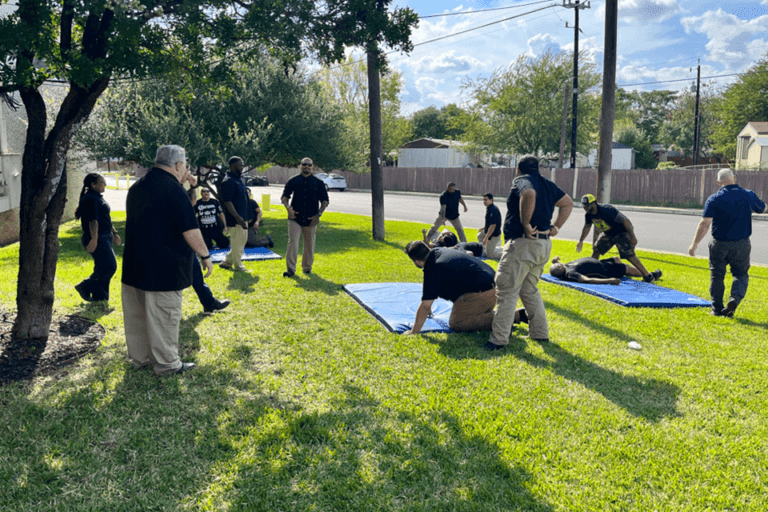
x,y
565,127
576,6
609,102
696,124
374,118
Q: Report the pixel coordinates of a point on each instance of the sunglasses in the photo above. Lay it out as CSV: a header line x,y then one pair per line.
x,y
306,165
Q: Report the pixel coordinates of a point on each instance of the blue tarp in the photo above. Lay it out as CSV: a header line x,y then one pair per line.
x,y
635,294
251,253
395,304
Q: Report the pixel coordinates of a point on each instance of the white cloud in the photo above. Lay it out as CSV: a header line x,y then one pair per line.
x,y
637,74
540,43
730,38
448,62
645,11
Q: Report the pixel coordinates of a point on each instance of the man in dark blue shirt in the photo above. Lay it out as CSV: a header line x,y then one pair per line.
x,y
729,212
234,195
161,237
458,277
490,234
308,200
449,211
528,227
615,229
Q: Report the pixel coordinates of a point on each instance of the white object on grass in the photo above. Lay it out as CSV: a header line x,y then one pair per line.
x,y
634,345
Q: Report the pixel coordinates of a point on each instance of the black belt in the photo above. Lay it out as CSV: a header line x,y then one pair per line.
x,y
542,236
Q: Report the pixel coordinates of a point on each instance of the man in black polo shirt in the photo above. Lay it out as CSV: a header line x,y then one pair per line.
x,y
490,234
528,227
161,234
592,271
458,277
615,229
449,210
729,212
212,222
234,196
309,199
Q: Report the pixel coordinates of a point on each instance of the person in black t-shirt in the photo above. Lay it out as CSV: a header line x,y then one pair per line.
x,y
592,271
98,236
615,229
449,211
254,225
490,234
458,277
308,200
210,217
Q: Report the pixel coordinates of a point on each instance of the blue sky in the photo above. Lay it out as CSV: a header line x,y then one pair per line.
x,y
658,40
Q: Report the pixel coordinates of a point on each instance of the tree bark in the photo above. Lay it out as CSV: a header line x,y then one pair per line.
x,y
43,196
374,117
603,192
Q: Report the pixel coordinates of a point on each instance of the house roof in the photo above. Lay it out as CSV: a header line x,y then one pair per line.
x,y
427,143
760,127
619,145
763,141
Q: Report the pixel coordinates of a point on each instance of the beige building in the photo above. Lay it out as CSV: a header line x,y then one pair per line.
x,y
752,146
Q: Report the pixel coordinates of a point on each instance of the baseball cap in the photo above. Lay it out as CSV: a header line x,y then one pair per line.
x,y
587,199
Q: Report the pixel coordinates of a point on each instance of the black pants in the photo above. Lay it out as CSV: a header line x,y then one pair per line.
x,y
215,235
104,267
722,254
204,294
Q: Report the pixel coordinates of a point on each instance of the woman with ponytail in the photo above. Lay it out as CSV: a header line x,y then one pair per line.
x,y
98,236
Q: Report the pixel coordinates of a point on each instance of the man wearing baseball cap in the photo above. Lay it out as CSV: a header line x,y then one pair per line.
x,y
308,200
615,229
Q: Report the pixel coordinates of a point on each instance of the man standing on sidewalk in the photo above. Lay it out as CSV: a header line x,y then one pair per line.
x,y
309,199
161,238
729,212
615,229
528,227
233,194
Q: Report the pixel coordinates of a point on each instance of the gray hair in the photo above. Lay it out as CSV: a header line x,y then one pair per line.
x,y
170,155
724,174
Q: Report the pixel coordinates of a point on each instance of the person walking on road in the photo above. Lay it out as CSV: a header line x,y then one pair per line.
x,y
308,200
449,211
528,227
615,229
729,212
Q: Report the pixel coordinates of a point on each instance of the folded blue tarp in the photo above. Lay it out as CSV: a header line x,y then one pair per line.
x,y
395,304
635,294
251,253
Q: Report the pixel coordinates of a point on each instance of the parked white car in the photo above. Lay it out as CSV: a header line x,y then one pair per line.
x,y
333,180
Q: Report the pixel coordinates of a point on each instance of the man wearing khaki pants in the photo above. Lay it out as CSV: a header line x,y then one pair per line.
x,y
234,195
161,237
458,277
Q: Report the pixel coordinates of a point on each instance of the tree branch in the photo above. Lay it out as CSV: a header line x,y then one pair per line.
x,y
67,17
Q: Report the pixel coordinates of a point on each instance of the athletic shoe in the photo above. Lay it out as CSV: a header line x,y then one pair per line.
x,y
216,306
80,289
656,274
730,309
288,273
225,266
650,278
492,346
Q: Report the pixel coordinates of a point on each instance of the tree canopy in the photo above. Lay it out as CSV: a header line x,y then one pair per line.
x,y
444,123
519,108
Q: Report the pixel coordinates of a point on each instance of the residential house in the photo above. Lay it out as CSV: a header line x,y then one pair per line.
x,y
438,153
622,157
752,146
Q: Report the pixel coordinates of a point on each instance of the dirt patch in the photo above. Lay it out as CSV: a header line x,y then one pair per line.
x,y
71,337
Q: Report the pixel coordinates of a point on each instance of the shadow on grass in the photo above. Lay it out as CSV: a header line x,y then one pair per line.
x,y
704,267
315,283
239,280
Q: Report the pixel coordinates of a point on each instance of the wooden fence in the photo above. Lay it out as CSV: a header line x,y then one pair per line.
x,y
670,187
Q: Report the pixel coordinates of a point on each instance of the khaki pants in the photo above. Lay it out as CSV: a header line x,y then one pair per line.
x,y
520,268
473,311
295,232
152,328
432,234
490,248
238,236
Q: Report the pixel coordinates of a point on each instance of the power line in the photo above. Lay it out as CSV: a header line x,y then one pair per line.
x,y
481,10
685,79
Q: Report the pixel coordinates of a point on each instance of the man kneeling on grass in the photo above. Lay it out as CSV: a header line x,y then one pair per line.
x,y
594,271
458,277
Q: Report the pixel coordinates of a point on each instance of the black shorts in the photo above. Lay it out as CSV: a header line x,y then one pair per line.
x,y
622,242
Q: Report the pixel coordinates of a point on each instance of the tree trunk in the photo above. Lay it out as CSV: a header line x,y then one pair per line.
x,y
374,117
43,196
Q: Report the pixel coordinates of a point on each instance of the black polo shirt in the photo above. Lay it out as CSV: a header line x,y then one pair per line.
x,y
547,194
232,190
253,206
449,274
493,216
451,202
608,219
591,267
156,256
93,207
208,214
305,194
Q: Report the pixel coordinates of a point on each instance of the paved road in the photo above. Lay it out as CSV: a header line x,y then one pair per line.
x,y
655,231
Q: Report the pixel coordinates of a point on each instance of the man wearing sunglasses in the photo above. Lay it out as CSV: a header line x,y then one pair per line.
x,y
308,200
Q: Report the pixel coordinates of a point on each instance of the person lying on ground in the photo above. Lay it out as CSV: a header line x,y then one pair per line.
x,y
594,271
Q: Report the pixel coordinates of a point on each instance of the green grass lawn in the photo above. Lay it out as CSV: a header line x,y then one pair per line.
x,y
303,401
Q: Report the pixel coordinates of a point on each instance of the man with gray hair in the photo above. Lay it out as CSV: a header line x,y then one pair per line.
x,y
161,237
729,212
